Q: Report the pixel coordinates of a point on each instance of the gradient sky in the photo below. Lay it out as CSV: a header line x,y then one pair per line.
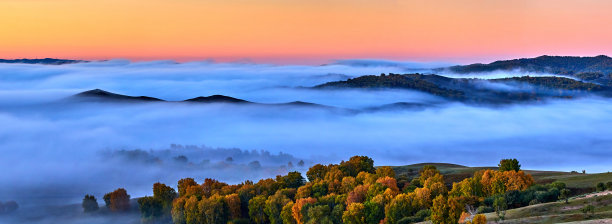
x,y
304,31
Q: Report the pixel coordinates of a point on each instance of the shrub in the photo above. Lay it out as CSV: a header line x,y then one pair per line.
x,y
90,204
600,187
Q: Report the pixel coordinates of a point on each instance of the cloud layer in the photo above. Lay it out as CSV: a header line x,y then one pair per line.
x,y
54,144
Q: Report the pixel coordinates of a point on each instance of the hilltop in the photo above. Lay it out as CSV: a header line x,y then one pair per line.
x,y
596,69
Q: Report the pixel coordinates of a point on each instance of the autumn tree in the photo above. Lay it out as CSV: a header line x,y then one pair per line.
x,y
358,194
185,183
119,200
403,205
354,214
90,204
296,210
478,219
233,205
426,172
178,211
213,209
191,211
446,210
348,183
385,171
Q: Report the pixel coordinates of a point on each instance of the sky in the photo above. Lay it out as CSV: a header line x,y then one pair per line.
x,y
303,31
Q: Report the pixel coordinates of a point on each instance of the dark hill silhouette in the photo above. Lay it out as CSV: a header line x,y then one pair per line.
x,y
101,95
98,95
216,99
45,61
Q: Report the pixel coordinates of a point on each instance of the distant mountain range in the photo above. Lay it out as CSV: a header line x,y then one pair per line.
x,y
595,69
45,61
98,95
472,90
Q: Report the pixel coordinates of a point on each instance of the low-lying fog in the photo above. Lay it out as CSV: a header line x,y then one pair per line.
x,y
58,151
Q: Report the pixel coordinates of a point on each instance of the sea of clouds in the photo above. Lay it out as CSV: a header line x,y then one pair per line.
x,y
49,144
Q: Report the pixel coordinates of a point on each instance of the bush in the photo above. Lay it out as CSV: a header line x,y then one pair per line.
x,y
557,184
484,209
600,187
609,185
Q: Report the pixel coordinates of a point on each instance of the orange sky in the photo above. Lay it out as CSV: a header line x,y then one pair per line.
x,y
304,30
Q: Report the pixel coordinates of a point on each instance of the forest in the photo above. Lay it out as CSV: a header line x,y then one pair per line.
x,y
353,191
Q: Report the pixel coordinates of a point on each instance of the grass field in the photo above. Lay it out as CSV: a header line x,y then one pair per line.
x,y
454,173
558,212
554,212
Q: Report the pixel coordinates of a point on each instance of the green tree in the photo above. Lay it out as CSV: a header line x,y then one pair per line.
x,y
564,195
374,212
500,206
256,209
291,180
150,208
90,204
274,206
106,199
319,214
164,195
286,214
354,214
509,164
357,164
317,171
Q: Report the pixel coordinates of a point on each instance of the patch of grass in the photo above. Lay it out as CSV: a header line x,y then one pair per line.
x,y
556,212
584,180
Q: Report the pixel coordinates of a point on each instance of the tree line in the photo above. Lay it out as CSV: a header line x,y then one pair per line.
x,y
352,192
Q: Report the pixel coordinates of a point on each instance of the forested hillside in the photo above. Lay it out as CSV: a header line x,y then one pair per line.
x,y
597,69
